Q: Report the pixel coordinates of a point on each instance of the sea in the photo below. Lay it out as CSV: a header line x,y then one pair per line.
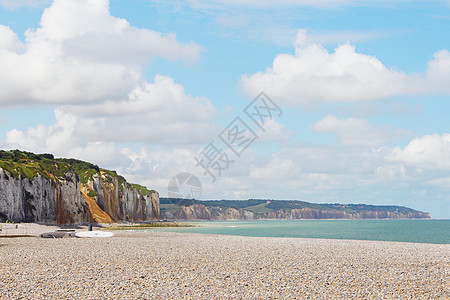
x,y
413,231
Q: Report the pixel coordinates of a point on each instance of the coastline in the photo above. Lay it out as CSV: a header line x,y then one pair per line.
x,y
151,264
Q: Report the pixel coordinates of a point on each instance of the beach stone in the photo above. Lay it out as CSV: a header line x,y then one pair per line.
x,y
158,265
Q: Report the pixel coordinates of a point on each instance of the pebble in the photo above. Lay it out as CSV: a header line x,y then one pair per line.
x,y
149,265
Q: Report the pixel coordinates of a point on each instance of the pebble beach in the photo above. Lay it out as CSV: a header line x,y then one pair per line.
x,y
159,265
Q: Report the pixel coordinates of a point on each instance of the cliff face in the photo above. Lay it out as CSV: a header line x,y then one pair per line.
x,y
42,199
308,213
121,201
39,188
67,200
202,212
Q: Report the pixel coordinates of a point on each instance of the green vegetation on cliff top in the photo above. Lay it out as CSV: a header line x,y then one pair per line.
x,y
142,189
29,165
261,206
84,169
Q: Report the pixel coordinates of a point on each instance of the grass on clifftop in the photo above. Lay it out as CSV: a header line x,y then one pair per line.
x,y
29,165
142,189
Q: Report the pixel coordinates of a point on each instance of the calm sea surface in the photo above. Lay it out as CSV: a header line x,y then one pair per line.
x,y
416,231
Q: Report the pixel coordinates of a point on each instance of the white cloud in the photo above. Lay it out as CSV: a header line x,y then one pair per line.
x,y
274,132
154,169
355,132
428,152
314,74
164,98
157,114
104,154
58,138
438,73
80,53
390,172
307,172
90,64
277,167
9,42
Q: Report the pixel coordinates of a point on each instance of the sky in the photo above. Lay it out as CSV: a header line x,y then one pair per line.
x,y
327,101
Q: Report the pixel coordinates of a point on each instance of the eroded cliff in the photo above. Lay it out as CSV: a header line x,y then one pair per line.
x,y
181,209
120,200
40,188
42,199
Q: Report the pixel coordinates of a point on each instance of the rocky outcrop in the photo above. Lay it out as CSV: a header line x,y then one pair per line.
x,y
66,200
202,212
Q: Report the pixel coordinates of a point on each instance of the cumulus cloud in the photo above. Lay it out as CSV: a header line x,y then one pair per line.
x,y
437,77
313,172
90,64
274,132
277,167
80,53
104,154
163,95
390,172
156,113
58,137
427,152
9,42
356,132
314,74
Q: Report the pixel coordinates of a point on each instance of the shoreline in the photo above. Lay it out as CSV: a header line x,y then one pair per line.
x,y
150,264
35,229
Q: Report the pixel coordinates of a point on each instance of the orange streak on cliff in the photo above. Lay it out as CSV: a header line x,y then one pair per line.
x,y
97,213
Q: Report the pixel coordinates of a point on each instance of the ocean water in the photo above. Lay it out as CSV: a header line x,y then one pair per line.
x,y
415,231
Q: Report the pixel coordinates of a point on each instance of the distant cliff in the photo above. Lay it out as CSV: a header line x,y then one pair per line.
x,y
40,188
182,209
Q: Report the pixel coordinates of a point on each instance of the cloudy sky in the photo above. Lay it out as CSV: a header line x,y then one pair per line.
x,y
151,88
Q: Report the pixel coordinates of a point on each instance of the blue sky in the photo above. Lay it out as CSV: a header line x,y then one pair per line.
x,y
142,87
